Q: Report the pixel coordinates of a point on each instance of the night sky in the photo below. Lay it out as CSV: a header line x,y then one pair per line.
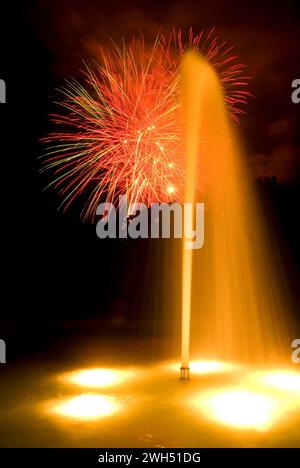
x,y
265,36
55,268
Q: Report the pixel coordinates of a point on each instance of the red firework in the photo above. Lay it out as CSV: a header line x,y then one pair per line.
x,y
119,133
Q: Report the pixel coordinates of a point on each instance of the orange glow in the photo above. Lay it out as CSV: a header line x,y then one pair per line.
x,y
232,285
87,406
98,377
210,367
282,380
242,409
194,73
203,367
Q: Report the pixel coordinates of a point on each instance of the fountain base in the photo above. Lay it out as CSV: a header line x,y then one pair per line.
x,y
184,373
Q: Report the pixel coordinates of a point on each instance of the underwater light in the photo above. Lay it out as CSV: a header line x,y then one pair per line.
x,y
98,377
282,380
87,406
242,409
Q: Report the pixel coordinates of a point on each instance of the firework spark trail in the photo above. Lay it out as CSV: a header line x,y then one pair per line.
x,y
120,132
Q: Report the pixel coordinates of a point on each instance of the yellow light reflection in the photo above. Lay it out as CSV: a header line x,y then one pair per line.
x,y
87,406
283,380
203,367
241,409
210,367
98,377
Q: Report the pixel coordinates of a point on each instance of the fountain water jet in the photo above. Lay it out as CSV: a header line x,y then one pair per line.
x,y
192,82
239,301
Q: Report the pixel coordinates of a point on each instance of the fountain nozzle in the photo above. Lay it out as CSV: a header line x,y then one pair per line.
x,y
184,373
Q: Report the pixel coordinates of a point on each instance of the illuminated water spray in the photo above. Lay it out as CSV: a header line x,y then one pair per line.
x,y
231,286
193,73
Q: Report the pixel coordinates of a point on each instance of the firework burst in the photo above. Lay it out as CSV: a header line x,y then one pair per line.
x,y
120,131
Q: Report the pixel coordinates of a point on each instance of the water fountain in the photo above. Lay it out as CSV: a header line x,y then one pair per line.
x,y
230,287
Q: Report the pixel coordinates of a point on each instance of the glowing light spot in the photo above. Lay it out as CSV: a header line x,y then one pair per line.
x,y
153,126
170,189
241,409
203,367
125,141
170,165
283,380
87,406
210,367
98,377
